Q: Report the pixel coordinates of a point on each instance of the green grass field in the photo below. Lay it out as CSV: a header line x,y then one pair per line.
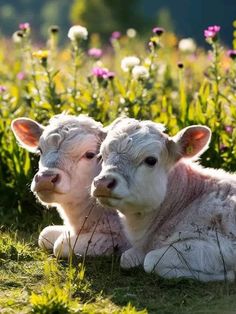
x,y
179,88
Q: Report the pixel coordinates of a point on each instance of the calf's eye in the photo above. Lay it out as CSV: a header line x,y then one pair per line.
x,y
150,161
89,155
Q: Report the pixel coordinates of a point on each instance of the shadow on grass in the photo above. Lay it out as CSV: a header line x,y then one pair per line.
x,y
156,294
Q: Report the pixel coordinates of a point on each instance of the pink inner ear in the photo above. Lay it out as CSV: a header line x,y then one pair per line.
x,y
27,133
199,135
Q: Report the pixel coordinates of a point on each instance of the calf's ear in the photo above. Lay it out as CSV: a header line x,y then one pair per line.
x,y
27,132
191,141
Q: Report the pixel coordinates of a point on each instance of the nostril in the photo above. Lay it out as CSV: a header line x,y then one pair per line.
x,y
55,178
111,185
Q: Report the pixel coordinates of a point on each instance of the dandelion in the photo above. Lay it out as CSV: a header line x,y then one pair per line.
x,y
187,45
128,63
42,56
140,72
232,54
77,32
115,35
211,32
95,53
131,33
158,31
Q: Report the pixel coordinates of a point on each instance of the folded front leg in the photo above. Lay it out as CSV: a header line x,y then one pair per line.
x,y
198,259
83,244
132,258
49,235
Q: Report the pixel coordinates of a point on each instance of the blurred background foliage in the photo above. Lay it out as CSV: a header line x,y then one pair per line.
x,y
186,18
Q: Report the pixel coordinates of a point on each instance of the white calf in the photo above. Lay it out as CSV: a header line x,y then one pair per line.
x,y
179,217
68,162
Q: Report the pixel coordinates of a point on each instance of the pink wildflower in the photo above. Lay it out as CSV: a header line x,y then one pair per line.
x,y
211,32
232,54
115,35
2,89
24,26
102,73
158,31
21,76
95,53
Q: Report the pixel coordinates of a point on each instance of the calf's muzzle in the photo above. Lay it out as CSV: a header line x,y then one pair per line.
x,y
45,181
103,186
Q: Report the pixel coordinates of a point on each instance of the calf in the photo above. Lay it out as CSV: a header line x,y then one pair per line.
x,y
179,217
68,162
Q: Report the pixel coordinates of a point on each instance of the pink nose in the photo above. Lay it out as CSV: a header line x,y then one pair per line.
x,y
104,185
45,181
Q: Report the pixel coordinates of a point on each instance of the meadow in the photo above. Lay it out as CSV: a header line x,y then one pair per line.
x,y
163,80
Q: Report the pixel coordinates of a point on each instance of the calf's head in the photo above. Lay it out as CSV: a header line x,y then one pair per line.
x,y
137,157
68,149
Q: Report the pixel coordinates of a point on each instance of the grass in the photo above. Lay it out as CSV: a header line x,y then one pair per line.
x,y
33,281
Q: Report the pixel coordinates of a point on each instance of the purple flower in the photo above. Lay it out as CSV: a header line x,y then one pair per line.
x,y
21,76
211,32
115,35
229,129
158,31
102,73
95,53
232,54
24,26
2,89
223,148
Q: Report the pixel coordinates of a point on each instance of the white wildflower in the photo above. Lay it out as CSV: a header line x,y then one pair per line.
x,y
140,72
128,63
187,45
131,32
77,32
17,37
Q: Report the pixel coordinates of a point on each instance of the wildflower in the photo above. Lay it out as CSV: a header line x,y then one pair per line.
x,y
115,35
232,54
95,52
54,29
2,89
24,27
42,55
128,63
223,148
77,32
140,72
21,76
131,33
17,37
211,32
229,129
158,31
187,45
102,73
